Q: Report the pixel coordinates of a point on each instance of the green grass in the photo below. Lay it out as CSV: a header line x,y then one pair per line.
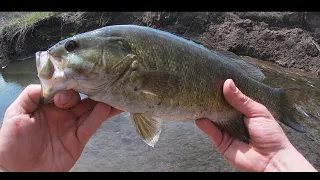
x,y
30,19
19,23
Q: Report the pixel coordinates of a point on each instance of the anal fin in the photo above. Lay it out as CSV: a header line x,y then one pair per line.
x,y
235,128
149,129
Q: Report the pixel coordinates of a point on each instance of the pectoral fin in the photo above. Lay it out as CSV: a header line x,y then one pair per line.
x,y
149,129
155,83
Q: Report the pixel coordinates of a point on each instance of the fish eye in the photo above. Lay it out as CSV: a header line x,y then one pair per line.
x,y
70,45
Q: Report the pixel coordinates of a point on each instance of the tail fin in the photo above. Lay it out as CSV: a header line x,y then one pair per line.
x,y
289,114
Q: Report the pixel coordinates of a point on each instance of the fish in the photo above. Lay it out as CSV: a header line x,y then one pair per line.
x,y
155,75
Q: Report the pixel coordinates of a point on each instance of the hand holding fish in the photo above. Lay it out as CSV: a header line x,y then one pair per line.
x,y
51,137
155,76
48,137
274,153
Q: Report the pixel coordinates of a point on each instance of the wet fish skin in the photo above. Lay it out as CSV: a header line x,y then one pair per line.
x,y
156,75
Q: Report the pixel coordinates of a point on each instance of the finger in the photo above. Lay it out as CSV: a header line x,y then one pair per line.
x,y
66,99
83,107
243,103
114,112
93,121
28,100
206,126
85,114
87,105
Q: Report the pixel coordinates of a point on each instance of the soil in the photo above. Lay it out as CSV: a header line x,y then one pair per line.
x,y
290,39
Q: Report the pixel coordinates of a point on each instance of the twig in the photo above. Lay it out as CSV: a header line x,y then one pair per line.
x,y
100,20
60,28
317,46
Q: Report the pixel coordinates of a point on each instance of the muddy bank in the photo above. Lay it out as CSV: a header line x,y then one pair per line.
x,y
290,39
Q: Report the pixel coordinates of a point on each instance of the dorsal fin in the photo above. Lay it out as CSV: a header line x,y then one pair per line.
x,y
247,68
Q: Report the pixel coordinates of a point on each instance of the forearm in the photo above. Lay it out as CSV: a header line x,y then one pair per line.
x,y
289,160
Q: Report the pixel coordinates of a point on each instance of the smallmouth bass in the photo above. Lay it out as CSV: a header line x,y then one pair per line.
x,y
155,75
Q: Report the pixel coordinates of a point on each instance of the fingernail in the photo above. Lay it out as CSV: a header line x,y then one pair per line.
x,y
63,98
233,87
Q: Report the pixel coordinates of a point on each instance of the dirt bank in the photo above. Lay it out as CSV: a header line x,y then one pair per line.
x,y
288,38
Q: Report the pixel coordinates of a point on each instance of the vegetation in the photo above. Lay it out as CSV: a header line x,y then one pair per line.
x,y
21,22
30,19
6,17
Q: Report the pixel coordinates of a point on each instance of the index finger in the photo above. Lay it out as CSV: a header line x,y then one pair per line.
x,y
28,100
66,99
87,105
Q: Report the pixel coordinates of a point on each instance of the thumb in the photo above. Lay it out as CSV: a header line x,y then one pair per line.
x,y
243,103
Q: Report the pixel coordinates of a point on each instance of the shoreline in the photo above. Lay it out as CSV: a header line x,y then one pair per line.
x,y
289,39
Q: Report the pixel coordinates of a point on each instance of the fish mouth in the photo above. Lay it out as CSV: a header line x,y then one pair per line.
x,y
52,79
46,96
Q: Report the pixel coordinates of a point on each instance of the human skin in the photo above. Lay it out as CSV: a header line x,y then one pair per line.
x,y
269,148
48,137
52,137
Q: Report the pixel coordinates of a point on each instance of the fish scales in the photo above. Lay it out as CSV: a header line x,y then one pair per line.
x,y
156,75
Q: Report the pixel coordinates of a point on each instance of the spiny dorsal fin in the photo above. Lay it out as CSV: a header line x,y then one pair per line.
x,y
247,68
149,129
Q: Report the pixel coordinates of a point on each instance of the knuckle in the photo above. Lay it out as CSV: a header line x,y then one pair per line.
x,y
31,86
264,111
244,99
263,108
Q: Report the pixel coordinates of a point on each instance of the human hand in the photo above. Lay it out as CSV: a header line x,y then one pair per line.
x,y
51,137
269,148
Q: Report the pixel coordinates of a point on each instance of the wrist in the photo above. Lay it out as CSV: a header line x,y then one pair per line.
x,y
5,158
289,160
3,167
